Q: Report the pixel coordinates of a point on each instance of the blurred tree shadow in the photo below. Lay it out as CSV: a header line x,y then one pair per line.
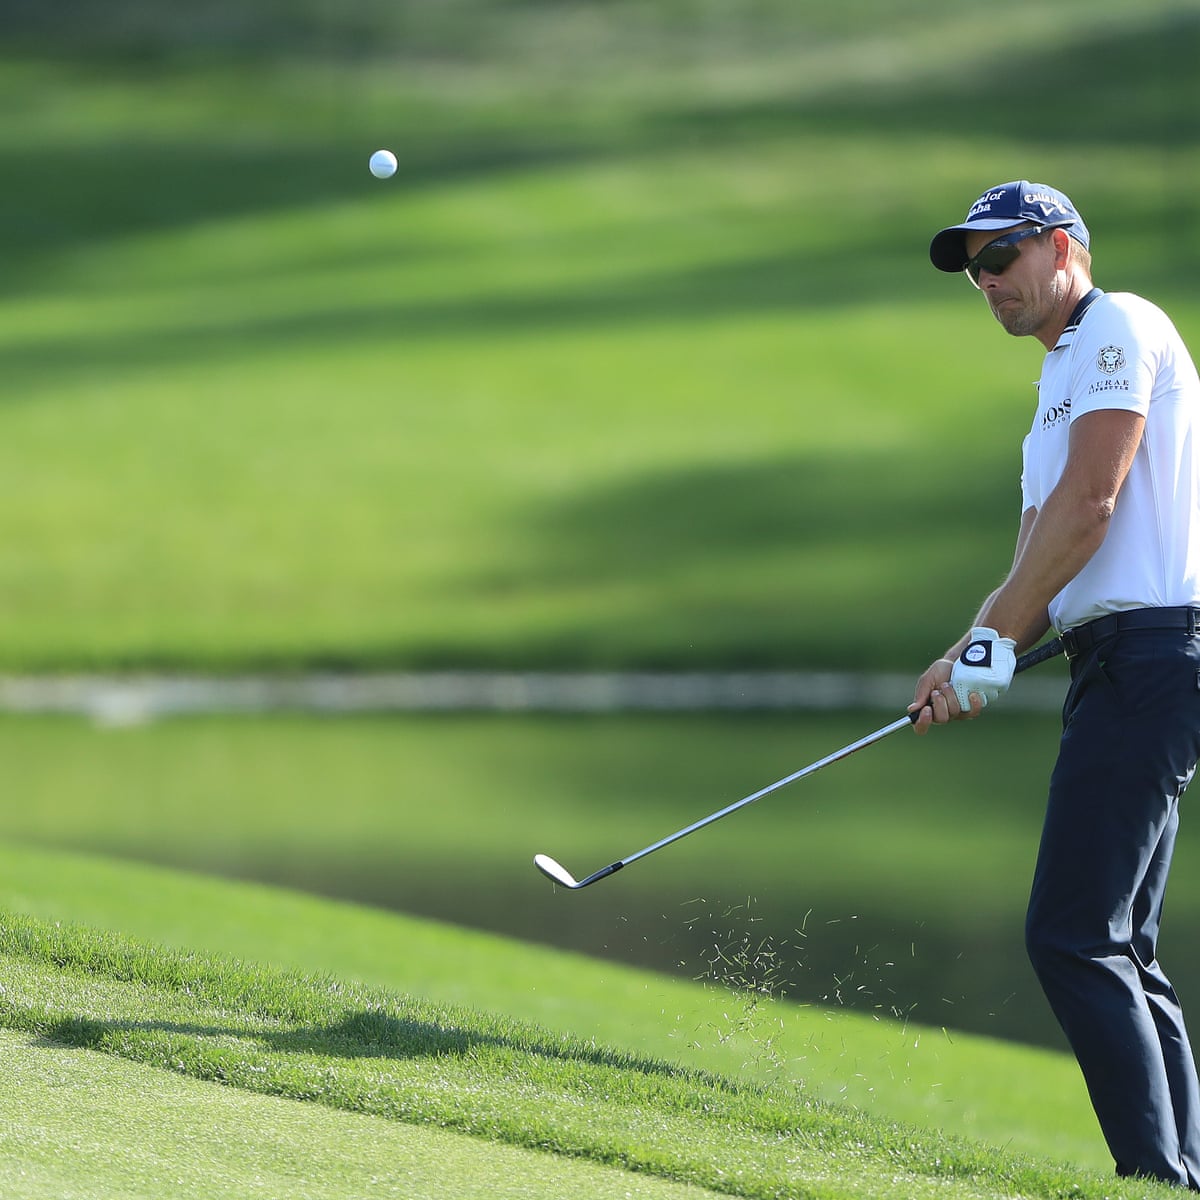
x,y
1136,86
677,547
1131,88
368,1033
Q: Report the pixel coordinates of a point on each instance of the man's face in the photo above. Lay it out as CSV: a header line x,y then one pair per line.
x,y
1027,295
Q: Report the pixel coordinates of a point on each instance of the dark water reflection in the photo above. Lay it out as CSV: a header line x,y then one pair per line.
x,y
894,884
971,977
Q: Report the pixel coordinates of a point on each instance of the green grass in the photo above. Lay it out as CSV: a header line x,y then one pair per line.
x,y
903,1071
637,361
377,462
353,1048
186,1137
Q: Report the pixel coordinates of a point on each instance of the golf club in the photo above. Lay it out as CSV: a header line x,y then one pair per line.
x,y
556,872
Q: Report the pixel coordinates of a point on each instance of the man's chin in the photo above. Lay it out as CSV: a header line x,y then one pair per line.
x,y
1013,316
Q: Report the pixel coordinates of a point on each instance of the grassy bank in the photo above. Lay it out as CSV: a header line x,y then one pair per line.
x,y
348,1047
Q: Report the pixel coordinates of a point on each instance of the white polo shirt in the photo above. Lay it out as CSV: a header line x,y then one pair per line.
x,y
1125,353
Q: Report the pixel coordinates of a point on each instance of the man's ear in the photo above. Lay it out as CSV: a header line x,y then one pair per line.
x,y
1062,248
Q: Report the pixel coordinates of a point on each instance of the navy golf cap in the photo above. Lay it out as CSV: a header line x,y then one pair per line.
x,y
1002,207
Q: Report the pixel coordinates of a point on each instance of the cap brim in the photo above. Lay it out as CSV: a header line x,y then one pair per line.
x,y
948,250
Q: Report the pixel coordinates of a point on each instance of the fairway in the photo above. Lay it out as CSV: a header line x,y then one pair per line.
x,y
645,368
184,1137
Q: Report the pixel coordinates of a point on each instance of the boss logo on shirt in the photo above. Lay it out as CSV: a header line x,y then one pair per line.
x,y
1056,414
1111,359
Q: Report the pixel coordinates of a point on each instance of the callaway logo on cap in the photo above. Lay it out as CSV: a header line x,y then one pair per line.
x,y
1002,207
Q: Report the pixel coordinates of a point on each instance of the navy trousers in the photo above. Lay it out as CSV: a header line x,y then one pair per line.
x,y
1131,740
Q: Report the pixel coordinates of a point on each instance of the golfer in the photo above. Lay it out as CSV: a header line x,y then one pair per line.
x,y
1108,554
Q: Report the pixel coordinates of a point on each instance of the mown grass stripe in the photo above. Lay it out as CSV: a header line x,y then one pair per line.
x,y
363,1050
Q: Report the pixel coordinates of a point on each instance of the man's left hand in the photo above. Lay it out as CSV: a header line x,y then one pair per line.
x,y
985,667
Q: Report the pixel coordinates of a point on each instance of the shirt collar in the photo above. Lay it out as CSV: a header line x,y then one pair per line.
x,y
1077,315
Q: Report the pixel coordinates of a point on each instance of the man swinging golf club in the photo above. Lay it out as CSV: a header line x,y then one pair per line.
x,y
1108,553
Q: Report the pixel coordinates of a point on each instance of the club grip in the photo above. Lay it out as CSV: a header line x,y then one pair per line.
x,y
1051,649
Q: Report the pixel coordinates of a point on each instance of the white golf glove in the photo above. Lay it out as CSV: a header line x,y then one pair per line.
x,y
985,667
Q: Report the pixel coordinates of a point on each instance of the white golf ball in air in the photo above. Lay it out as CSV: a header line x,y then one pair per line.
x,y
383,164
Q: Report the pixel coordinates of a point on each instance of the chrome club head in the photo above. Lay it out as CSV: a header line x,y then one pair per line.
x,y
554,870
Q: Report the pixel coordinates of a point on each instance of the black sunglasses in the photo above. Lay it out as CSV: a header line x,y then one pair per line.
x,y
996,257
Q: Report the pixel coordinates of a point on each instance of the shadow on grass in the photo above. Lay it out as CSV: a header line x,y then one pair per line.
x,y
1129,88
791,280
796,504
362,1034
776,554
850,267
1132,86
139,187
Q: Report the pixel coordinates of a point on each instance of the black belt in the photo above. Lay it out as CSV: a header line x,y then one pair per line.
x,y
1084,637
